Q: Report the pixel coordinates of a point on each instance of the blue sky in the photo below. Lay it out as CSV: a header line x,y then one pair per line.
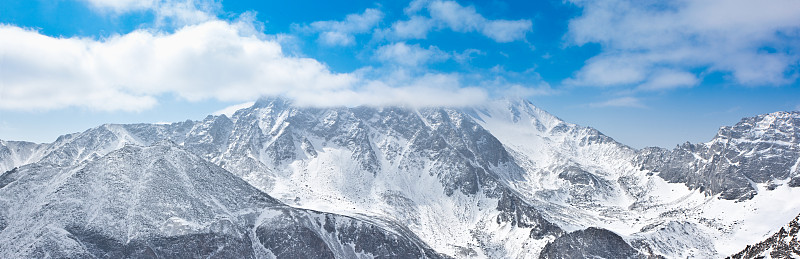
x,y
647,73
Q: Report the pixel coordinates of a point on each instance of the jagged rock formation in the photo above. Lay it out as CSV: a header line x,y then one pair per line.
x,y
760,149
17,153
783,244
589,243
389,164
502,180
162,201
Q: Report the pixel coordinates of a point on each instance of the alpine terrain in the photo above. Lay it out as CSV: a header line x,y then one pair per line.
x,y
503,179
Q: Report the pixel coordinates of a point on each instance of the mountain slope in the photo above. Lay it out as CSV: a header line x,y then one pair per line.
x,y
581,178
785,243
433,170
499,180
164,201
760,149
17,153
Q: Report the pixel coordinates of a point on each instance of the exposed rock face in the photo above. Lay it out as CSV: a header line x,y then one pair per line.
x,y
500,181
589,243
162,201
758,149
785,243
17,153
435,170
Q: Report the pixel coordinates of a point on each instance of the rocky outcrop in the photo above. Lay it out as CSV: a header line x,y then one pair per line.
x,y
759,149
589,243
785,243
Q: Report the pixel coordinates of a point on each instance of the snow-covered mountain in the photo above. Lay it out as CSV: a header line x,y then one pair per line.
x,y
580,178
163,201
500,180
785,243
758,150
17,153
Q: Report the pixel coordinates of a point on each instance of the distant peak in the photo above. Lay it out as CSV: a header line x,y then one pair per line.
x,y
273,101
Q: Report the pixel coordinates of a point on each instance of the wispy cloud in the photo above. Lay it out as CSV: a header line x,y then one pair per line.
x,y
756,42
342,33
168,13
122,6
456,17
410,55
416,27
627,101
230,110
466,56
669,79
234,61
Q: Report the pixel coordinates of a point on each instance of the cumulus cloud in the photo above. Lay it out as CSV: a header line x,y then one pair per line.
x,y
661,45
212,60
208,60
410,55
456,17
416,27
202,57
342,33
452,15
506,31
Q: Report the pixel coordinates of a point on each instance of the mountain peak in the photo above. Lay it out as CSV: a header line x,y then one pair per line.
x,y
779,126
277,102
516,110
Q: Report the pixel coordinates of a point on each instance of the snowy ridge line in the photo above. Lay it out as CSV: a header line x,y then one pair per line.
x,y
224,214
485,181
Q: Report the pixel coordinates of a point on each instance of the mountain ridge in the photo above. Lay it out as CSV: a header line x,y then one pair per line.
x,y
498,180
173,201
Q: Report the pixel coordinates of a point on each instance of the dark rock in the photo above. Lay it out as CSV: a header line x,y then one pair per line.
x,y
589,243
520,214
785,243
757,149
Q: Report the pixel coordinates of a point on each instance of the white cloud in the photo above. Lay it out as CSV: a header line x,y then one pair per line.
x,y
605,70
416,27
201,57
410,55
523,91
755,41
342,33
419,91
466,55
213,60
174,13
204,61
230,110
506,31
456,17
620,102
121,6
670,79
452,15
